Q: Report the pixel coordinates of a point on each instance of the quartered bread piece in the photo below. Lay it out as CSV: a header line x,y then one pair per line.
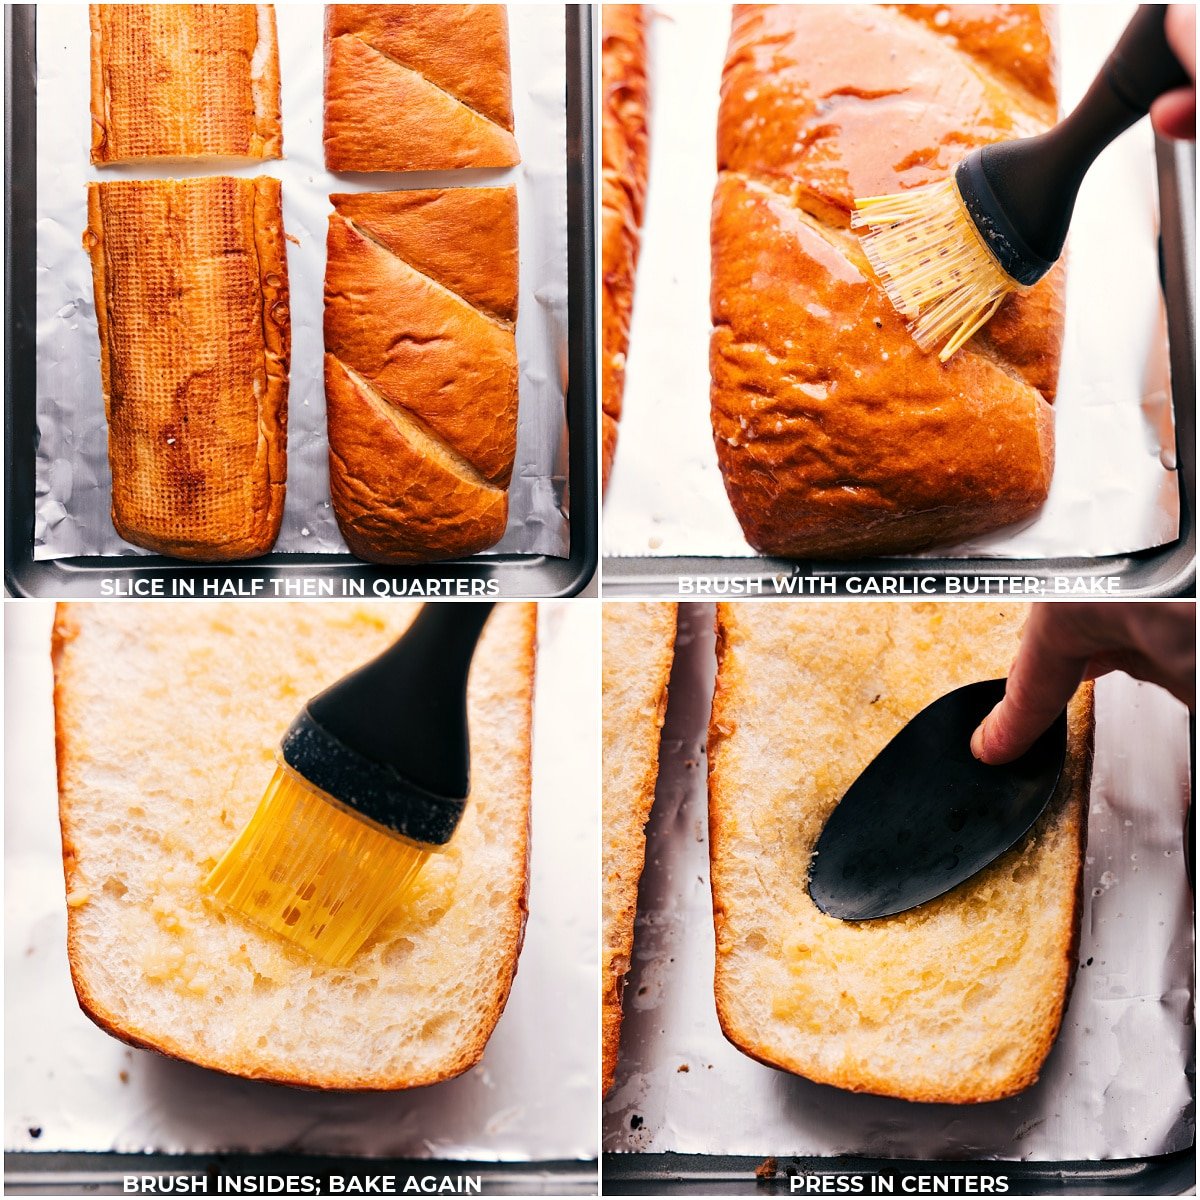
x,y
167,722
625,151
191,291
639,647
835,435
956,1002
421,369
417,87
184,81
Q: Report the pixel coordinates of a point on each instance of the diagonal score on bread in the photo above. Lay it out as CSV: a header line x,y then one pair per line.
x,y
184,81
192,308
834,433
958,1001
638,650
421,370
154,787
625,163
440,71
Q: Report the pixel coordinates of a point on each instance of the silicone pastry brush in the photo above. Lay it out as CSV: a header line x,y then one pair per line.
x,y
373,777
947,254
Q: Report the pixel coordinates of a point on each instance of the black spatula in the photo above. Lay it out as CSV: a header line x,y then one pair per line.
x,y
926,814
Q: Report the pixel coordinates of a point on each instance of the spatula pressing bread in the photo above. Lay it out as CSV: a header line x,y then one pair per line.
x,y
167,718
639,647
958,1001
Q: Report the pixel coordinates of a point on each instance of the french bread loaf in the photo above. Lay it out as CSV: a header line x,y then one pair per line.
x,y
417,87
835,435
167,718
421,369
625,151
191,288
184,81
958,1001
639,647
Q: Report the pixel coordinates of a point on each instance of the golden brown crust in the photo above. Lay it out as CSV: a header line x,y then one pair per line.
x,y
835,434
191,289
1068,807
441,73
421,369
65,632
184,81
639,650
625,149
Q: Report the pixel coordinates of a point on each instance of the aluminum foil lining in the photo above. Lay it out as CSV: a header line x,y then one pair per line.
x,y
1114,486
69,1086
73,485
1118,1083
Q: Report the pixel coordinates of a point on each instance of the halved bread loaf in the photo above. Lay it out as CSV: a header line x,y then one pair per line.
x,y
417,87
639,647
191,289
835,435
958,1001
167,720
184,81
421,369
625,150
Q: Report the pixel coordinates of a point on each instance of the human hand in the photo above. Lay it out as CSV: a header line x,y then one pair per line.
x,y
1174,115
1064,644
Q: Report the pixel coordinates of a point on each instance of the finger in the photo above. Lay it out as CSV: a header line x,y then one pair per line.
x,y
1042,680
1180,28
1173,115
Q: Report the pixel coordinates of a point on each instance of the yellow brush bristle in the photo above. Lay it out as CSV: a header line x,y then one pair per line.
x,y
937,271
314,871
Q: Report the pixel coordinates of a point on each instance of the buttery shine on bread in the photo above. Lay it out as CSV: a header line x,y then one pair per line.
x,y
625,150
417,87
958,1001
184,81
835,434
421,371
191,288
639,647
167,720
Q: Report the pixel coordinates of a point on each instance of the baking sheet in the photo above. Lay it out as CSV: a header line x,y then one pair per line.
x,y
533,1097
1114,487
73,484
1118,1083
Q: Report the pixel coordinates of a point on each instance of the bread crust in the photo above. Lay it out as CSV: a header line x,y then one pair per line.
x,y
1068,807
194,360
639,650
440,71
421,370
69,742
625,150
835,435
181,81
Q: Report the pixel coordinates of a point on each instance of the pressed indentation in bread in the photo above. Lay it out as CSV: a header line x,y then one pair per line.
x,y
417,433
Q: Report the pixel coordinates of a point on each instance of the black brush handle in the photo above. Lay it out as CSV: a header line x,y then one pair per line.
x,y
391,738
1021,194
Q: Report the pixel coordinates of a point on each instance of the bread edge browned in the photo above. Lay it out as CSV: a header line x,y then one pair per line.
x,y
612,986
63,634
1074,793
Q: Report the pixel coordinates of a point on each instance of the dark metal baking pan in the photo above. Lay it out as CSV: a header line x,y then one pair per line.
x,y
700,1175
506,575
31,1174
1168,570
